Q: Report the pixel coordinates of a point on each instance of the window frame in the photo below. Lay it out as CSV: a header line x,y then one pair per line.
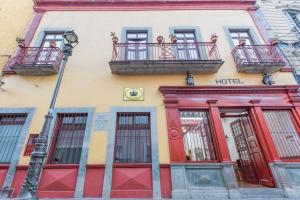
x,y
134,114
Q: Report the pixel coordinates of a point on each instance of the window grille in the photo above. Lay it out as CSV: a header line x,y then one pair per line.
x,y
67,138
198,143
30,144
133,138
10,129
284,133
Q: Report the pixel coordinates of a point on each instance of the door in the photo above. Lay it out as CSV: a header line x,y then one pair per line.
x,y
255,157
187,48
246,163
136,45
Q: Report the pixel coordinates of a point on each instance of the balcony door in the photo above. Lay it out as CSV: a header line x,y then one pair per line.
x,y
249,52
186,45
45,55
136,48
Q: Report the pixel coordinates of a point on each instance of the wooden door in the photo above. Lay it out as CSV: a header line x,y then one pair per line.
x,y
243,151
258,160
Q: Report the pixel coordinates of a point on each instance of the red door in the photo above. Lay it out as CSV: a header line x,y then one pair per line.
x,y
253,163
259,162
244,154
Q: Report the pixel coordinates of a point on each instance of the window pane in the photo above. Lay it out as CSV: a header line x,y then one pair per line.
x,y
133,138
198,144
10,129
68,138
284,133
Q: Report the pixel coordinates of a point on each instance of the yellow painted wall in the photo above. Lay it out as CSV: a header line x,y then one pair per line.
x,y
14,18
88,81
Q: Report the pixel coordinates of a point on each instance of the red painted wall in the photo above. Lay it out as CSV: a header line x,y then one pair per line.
x,y
165,181
58,181
132,181
19,179
94,181
3,172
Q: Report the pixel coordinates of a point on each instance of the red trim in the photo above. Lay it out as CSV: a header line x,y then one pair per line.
x,y
28,38
95,166
142,4
132,165
60,166
22,167
4,166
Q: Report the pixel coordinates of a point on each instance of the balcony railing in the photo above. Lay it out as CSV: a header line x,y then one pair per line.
x,y
257,58
165,58
37,61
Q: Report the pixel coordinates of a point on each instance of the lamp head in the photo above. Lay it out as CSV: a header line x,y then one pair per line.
x,y
70,38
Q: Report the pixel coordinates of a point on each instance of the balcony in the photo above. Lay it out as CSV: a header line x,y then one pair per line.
x,y
165,58
257,58
37,61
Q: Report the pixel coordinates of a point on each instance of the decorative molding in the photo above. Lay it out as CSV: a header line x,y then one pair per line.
x,y
89,5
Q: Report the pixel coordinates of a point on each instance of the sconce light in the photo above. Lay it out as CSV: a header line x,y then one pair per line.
x,y
189,79
267,78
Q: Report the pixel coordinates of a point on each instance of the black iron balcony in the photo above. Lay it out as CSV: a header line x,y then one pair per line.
x,y
37,61
257,58
165,58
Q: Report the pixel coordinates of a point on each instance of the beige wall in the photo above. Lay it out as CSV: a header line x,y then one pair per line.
x,y
14,18
88,81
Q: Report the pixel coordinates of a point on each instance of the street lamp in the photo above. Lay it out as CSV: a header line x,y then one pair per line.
x,y
39,153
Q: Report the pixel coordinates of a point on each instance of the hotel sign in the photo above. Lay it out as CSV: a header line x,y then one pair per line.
x,y
133,94
229,81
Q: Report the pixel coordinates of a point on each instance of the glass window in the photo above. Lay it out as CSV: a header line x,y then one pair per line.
x,y
198,142
136,45
133,138
283,132
186,45
53,37
67,139
236,35
10,130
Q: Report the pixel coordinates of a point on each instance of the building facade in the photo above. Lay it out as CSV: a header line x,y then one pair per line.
x,y
282,20
160,99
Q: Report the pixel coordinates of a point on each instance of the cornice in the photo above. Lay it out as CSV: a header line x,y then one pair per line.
x,y
255,89
90,5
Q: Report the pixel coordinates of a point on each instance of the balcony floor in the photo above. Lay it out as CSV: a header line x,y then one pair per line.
x,y
35,69
254,67
157,67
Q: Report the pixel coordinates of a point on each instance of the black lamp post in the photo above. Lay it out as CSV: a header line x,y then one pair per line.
x,y
189,79
31,182
267,78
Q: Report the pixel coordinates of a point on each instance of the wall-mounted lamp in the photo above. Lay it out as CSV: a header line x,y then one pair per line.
x,y
267,78
189,79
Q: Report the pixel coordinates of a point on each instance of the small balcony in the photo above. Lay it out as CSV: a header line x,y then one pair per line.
x,y
257,58
165,58
37,61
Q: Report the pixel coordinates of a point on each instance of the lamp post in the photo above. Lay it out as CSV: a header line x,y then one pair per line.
x,y
31,182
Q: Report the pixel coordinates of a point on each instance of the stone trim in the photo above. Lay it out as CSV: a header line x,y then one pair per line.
x,y
111,144
20,143
85,147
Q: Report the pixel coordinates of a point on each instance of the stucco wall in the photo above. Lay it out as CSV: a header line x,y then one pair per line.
x,y
88,81
14,19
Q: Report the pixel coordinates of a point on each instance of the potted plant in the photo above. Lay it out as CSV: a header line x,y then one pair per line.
x,y
53,44
242,42
173,38
160,39
213,38
273,41
21,42
115,39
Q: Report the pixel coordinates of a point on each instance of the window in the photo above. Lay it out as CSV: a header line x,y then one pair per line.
x,y
284,133
198,143
136,45
30,144
236,35
294,18
133,140
67,138
186,48
10,129
53,37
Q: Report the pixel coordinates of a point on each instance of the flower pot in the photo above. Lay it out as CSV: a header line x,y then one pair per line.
x,y
173,39
115,39
52,44
160,39
242,42
213,38
273,42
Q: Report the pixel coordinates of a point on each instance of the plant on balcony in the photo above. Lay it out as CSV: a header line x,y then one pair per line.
x,y
242,42
213,38
160,39
173,38
52,44
115,39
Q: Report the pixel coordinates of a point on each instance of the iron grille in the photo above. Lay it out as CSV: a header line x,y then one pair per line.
x,y
30,144
67,138
284,133
133,138
198,143
10,129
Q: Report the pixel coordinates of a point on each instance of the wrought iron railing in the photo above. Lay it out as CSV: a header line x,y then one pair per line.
x,y
256,54
39,56
165,51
